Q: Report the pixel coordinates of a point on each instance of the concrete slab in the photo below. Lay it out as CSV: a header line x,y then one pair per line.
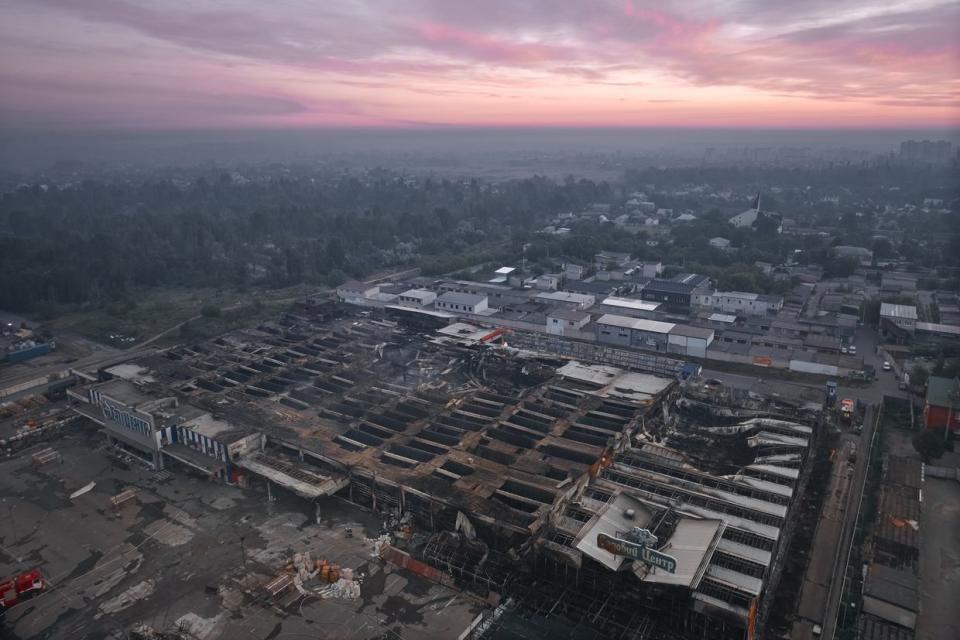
x,y
939,560
173,555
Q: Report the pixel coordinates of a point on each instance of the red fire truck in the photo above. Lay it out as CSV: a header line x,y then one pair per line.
x,y
847,409
19,588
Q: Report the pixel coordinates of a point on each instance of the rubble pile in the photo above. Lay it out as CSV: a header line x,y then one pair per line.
x,y
336,582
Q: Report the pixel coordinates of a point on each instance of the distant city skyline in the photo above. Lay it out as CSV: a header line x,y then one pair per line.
x,y
74,64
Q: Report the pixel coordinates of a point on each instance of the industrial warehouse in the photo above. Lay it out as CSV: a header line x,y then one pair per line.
x,y
581,491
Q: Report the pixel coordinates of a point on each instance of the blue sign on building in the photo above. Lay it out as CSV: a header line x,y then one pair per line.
x,y
636,548
127,420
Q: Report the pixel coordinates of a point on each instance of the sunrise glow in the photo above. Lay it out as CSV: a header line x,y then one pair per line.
x,y
752,63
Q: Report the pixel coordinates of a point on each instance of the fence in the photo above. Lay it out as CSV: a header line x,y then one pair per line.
x,y
595,353
948,473
403,559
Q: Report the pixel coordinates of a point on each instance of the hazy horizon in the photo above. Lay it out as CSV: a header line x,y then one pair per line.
x,y
30,150
130,81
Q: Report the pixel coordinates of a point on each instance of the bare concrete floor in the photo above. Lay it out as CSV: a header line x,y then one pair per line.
x,y
939,560
173,557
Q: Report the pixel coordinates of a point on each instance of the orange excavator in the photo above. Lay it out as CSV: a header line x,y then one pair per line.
x,y
21,587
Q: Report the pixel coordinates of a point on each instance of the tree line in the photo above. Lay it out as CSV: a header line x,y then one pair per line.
x,y
98,242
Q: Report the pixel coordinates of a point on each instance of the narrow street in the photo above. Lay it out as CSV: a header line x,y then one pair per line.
x,y
853,501
823,582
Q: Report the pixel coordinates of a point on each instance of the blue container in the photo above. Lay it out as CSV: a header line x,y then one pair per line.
x,y
22,355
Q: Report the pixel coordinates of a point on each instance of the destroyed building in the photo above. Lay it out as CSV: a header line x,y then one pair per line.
x,y
508,466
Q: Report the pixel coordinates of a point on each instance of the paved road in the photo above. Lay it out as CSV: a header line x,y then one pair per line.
x,y
866,339
88,363
854,501
823,582
823,585
825,550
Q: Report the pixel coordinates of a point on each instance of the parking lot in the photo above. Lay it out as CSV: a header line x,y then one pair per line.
x,y
173,557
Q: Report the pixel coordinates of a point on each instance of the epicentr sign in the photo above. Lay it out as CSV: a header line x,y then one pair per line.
x,y
127,418
637,550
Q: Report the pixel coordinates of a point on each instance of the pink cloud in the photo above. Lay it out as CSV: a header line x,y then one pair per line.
x,y
480,46
493,61
669,28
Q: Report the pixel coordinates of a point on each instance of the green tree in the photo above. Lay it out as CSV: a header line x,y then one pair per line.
x,y
882,249
929,445
871,312
335,278
919,376
839,267
335,252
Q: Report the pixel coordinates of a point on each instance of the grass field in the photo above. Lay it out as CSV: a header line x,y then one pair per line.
x,y
896,414
156,312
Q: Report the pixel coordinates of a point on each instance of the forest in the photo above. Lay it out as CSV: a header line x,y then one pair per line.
x,y
98,242
89,243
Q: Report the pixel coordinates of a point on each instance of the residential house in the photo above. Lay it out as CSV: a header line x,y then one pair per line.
x,y
861,254
547,282
610,259
353,290
653,335
633,332
645,269
461,302
417,298
900,315
631,307
690,341
745,219
573,271
567,299
365,295
942,405
565,321
676,292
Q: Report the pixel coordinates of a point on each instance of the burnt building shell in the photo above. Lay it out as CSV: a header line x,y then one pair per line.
x,y
526,445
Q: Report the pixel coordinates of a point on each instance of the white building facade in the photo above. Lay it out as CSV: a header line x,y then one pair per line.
x,y
417,298
461,303
744,303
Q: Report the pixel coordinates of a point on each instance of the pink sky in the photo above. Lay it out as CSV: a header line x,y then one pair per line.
x,y
240,63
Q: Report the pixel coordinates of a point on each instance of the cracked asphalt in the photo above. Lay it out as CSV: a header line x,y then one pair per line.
x,y
172,557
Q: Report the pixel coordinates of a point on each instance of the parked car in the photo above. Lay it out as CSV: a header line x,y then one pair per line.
x,y
886,366
843,350
852,350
